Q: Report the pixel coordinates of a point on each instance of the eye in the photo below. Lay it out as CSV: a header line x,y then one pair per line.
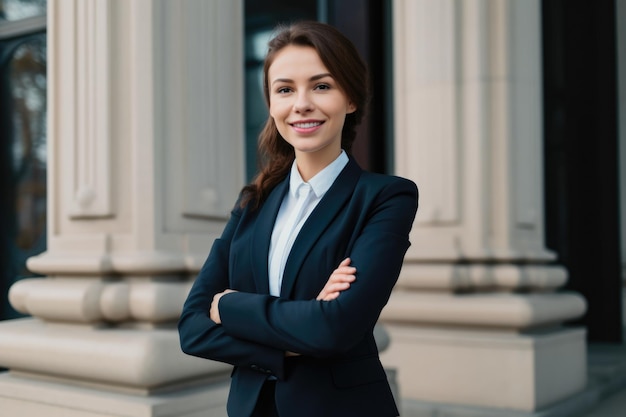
x,y
322,86
283,90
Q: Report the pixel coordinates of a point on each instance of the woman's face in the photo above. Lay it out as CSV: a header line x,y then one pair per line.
x,y
306,103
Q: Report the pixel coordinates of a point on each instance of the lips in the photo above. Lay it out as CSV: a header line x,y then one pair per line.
x,y
306,125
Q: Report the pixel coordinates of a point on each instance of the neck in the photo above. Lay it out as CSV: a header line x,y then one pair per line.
x,y
310,164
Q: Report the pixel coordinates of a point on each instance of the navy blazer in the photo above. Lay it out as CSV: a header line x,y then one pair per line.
x,y
364,216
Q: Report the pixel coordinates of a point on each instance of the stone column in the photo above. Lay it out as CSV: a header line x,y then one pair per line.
x,y
145,161
475,318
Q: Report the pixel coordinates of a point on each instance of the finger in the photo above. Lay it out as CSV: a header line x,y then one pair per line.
x,y
322,293
334,288
323,296
345,262
345,272
345,269
331,288
331,296
341,278
339,286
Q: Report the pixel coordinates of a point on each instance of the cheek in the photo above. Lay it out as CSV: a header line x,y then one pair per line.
x,y
334,105
277,111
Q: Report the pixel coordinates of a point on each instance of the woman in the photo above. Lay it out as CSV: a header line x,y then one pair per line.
x,y
291,291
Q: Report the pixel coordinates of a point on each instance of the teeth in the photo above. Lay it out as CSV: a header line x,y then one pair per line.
x,y
307,125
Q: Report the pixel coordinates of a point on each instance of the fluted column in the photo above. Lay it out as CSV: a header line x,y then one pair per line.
x,y
145,160
475,318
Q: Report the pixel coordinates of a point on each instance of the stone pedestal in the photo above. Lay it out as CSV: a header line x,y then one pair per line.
x,y
475,318
490,350
145,161
24,396
490,369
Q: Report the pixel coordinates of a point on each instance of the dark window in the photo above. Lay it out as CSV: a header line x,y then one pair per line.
x,y
23,151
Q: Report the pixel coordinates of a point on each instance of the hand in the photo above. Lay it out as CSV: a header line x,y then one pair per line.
x,y
214,312
340,280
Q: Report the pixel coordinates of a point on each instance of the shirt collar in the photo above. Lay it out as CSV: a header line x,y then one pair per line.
x,y
322,181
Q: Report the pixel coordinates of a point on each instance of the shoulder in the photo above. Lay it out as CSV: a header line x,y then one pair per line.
x,y
380,193
381,183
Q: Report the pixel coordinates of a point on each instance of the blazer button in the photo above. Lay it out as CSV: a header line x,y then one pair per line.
x,y
256,368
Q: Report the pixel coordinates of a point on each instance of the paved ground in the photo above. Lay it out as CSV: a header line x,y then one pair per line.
x,y
607,377
614,406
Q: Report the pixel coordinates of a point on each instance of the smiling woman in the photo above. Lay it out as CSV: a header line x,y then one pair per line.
x,y
308,107
350,78
292,288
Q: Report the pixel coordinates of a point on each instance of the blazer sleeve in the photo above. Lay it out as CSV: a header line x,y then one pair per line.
x,y
326,328
200,336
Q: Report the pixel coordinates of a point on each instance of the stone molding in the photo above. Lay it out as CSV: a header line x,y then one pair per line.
x,y
518,312
81,300
463,277
136,358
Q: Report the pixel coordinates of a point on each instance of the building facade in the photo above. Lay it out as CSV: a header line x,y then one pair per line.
x,y
503,112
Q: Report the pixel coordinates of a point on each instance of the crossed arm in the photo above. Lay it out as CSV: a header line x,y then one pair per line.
x,y
339,281
248,328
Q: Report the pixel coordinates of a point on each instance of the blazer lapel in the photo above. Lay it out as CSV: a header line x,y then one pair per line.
x,y
262,236
320,218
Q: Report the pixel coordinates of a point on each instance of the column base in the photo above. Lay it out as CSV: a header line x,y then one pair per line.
x,y
112,358
21,396
487,368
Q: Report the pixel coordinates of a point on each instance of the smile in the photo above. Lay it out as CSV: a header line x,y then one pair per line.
x,y
306,125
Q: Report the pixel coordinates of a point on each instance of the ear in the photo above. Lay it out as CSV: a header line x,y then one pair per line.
x,y
351,108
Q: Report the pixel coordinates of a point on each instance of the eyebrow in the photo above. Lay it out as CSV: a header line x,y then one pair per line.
x,y
313,78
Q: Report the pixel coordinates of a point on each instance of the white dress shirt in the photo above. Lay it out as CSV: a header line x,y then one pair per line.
x,y
296,207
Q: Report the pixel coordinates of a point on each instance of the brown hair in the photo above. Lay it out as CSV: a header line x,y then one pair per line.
x,y
345,65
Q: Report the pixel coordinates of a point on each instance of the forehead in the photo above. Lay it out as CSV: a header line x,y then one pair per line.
x,y
294,61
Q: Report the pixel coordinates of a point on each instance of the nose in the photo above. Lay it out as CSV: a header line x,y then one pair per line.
x,y
303,103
